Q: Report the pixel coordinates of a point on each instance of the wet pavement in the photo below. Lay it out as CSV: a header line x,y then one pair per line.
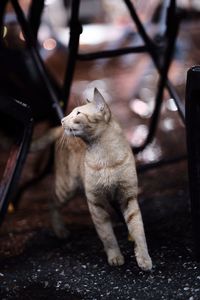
x,y
34,264
77,269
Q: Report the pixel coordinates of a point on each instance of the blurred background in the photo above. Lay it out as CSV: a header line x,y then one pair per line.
x,y
32,259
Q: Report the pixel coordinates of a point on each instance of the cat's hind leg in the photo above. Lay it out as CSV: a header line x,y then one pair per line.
x,y
57,221
104,228
62,195
133,219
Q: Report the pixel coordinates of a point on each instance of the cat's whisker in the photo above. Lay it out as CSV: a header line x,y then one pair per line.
x,y
75,137
67,139
61,142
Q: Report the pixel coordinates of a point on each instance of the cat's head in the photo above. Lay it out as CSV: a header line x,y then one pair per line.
x,y
88,121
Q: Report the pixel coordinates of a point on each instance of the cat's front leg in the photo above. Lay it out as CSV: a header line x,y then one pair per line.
x,y
104,228
133,218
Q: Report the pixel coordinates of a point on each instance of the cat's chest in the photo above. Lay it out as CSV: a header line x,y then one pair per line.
x,y
104,169
101,177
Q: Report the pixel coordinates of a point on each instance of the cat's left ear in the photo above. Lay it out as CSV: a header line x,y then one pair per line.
x,y
99,100
101,105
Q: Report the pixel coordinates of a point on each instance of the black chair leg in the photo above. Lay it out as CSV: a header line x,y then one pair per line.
x,y
20,115
193,146
75,31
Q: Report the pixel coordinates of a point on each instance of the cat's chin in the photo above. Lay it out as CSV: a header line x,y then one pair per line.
x,y
67,132
74,132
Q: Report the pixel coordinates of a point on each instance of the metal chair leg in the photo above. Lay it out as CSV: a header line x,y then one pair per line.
x,y
20,113
193,147
75,31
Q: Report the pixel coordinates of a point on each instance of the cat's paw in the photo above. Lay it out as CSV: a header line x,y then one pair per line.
x,y
144,262
116,260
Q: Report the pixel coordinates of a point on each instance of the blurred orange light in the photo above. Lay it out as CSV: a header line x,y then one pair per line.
x,y
49,44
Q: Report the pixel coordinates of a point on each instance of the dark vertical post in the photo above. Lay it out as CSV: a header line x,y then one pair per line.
x,y
75,31
35,14
193,146
21,113
30,42
171,35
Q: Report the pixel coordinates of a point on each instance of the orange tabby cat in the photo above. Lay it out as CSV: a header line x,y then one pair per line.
x,y
97,156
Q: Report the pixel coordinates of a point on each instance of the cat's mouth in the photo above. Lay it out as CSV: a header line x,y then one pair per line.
x,y
71,131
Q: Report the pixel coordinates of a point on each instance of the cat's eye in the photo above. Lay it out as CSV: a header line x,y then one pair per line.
x,y
78,112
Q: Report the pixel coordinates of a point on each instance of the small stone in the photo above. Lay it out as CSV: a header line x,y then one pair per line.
x,y
58,284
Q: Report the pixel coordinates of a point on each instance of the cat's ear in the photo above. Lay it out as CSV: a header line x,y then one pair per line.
x,y
99,100
101,105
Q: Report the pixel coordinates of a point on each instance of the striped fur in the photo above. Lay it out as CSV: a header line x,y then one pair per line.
x,y
96,156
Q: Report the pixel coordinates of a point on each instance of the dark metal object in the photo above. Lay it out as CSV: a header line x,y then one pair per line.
x,y
163,162
193,146
171,39
172,25
21,113
75,31
35,14
20,148
161,61
47,169
30,40
111,53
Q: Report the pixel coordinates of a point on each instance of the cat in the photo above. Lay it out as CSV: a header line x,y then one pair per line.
x,y
97,157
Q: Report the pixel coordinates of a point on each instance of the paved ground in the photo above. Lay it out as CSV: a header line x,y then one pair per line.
x,y
35,265
77,269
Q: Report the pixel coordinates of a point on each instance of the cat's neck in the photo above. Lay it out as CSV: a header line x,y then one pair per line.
x,y
107,137
109,147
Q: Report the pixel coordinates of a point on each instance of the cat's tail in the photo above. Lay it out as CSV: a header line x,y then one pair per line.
x,y
45,140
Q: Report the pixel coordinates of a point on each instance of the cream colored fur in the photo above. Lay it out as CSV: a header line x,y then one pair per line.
x,y
97,156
